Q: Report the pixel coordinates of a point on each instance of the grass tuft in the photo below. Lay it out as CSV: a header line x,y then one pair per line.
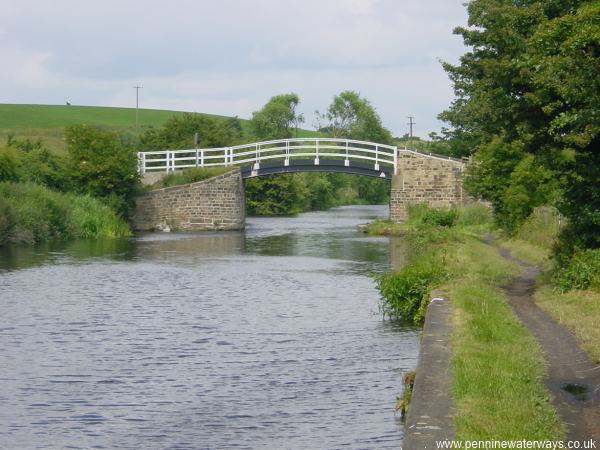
x,y
30,214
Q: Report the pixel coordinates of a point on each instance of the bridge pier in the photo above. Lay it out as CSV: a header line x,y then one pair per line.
x,y
435,181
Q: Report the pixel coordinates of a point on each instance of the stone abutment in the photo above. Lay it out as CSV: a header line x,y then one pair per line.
x,y
213,204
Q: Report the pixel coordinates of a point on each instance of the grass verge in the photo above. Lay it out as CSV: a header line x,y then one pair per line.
x,y
577,309
497,365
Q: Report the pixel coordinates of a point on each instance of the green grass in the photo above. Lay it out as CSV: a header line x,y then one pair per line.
x,y
497,365
578,310
31,214
47,122
189,176
534,240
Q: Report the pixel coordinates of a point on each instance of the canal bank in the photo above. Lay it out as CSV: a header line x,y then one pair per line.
x,y
496,364
503,370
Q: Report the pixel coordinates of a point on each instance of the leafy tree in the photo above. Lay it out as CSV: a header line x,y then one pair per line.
x,y
565,60
179,132
275,195
278,118
373,191
100,165
527,96
351,116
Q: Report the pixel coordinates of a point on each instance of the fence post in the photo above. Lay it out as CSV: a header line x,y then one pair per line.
x,y
376,157
286,162
141,163
347,161
395,160
257,162
317,152
202,158
196,157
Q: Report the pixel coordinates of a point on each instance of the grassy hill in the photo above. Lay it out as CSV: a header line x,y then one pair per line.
x,y
47,122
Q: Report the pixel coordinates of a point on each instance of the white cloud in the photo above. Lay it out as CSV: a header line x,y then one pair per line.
x,y
229,57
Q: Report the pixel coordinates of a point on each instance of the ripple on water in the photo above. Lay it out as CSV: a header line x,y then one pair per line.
x,y
268,339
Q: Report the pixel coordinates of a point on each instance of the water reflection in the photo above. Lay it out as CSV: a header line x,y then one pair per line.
x,y
269,338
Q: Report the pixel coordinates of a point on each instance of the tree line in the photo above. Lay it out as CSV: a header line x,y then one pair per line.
x,y
527,104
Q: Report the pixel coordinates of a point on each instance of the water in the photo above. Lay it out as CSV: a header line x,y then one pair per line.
x,y
265,339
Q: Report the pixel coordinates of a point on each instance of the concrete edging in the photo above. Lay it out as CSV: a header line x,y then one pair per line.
x,y
429,416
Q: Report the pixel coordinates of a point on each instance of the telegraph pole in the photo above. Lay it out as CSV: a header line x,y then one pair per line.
x,y
410,124
137,105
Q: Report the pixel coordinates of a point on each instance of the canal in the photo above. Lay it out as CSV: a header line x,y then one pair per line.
x,y
269,338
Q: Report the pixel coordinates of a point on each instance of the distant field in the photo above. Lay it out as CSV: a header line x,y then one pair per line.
x,y
47,122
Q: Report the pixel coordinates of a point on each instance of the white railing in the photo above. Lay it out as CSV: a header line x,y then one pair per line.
x,y
282,149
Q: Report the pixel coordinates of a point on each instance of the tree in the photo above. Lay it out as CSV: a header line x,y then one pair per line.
x,y
351,116
179,132
100,165
278,118
275,195
565,61
527,96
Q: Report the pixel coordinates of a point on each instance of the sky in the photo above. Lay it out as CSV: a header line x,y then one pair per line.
x,y
230,56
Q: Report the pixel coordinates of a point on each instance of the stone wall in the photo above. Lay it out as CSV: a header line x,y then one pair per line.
x,y
216,203
425,179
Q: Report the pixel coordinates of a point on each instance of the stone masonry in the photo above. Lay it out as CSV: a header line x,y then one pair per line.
x,y
425,179
216,203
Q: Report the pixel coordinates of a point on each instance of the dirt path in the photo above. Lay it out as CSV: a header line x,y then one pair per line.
x,y
567,364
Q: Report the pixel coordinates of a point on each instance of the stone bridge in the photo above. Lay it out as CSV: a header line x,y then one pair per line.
x,y
218,203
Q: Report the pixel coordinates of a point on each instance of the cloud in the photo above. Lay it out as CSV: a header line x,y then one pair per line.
x,y
229,57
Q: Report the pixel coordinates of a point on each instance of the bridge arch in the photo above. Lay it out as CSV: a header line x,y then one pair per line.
x,y
218,203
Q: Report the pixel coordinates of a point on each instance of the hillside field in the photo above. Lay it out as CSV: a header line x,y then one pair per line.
x,y
47,122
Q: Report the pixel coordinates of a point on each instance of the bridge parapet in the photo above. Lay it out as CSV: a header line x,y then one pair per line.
x,y
348,152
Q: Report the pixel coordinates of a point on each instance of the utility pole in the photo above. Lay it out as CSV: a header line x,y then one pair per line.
x,y
137,105
411,123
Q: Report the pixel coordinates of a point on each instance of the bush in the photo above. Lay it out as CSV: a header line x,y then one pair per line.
x,y
404,294
30,214
440,217
581,272
7,220
422,214
102,166
9,165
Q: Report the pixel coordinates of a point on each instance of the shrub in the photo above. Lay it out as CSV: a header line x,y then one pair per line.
x,y
7,220
422,214
9,165
404,294
30,214
102,165
581,272
440,217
